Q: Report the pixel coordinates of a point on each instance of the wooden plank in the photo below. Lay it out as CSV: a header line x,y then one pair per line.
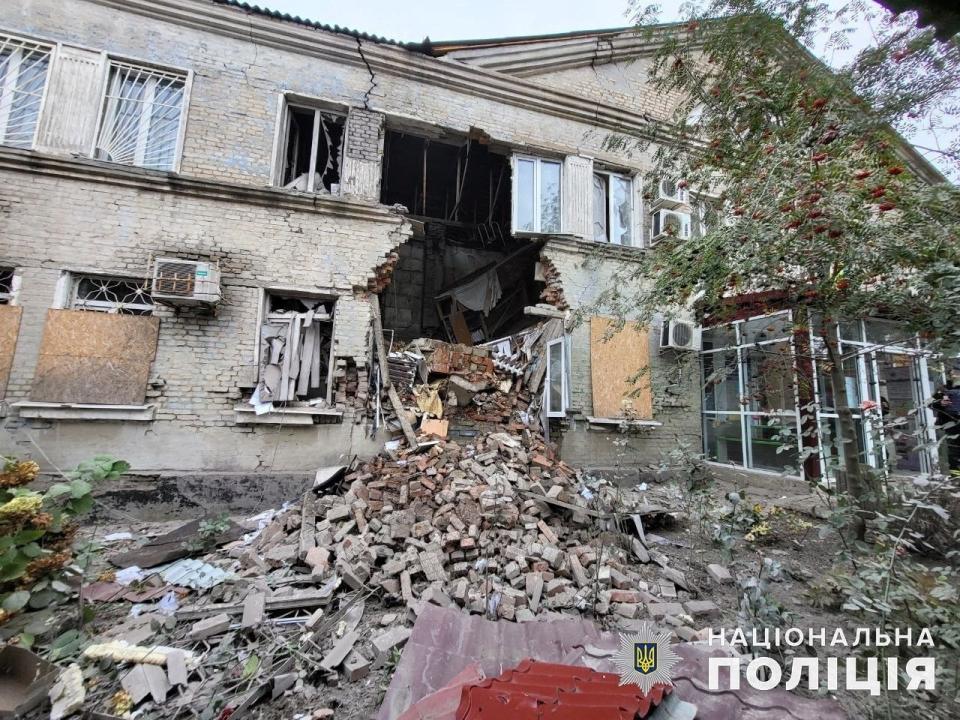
x,y
9,330
385,372
308,524
92,357
613,362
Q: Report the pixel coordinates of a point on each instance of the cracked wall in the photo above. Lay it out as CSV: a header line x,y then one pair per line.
x,y
579,276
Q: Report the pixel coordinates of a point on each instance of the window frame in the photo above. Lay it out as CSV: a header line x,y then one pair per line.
x,y
288,102
8,86
113,61
537,161
70,301
611,207
551,412
263,317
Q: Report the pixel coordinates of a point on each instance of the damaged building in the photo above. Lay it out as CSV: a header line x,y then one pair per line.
x,y
219,223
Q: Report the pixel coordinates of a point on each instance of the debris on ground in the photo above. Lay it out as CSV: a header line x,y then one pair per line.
x,y
467,519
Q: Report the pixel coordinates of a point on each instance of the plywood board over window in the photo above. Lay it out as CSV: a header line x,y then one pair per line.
x,y
9,328
614,362
96,358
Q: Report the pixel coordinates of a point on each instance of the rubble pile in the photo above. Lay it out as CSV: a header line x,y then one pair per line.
x,y
474,513
498,527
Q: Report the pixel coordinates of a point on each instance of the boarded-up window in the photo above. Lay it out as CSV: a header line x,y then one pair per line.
x,y
9,327
616,358
95,358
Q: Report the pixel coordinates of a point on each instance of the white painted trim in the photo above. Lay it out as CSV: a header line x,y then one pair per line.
x,y
85,411
246,415
622,421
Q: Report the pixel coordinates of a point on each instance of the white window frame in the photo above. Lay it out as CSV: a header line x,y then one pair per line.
x,y
71,287
564,380
280,140
144,123
631,227
8,85
537,206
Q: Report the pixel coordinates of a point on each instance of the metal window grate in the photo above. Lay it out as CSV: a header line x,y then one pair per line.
x,y
142,113
6,285
112,295
23,77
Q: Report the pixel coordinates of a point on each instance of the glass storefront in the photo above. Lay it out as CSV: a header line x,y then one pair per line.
x,y
758,398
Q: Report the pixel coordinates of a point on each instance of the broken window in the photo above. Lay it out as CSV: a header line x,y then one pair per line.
x,y
536,195
312,148
612,208
142,117
121,296
23,77
295,350
6,285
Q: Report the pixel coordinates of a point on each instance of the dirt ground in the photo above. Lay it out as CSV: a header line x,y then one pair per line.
x,y
794,541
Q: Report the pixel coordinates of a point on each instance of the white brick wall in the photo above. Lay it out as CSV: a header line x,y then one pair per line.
x,y
50,223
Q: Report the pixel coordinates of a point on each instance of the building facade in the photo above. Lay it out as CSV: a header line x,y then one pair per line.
x,y
202,201
288,168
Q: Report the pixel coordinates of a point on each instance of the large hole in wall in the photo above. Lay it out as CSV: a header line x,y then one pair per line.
x,y
462,277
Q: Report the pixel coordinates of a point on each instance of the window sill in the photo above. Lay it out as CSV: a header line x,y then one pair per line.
x,y
80,411
621,421
245,415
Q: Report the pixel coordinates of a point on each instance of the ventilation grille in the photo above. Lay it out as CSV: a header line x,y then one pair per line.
x,y
681,334
175,278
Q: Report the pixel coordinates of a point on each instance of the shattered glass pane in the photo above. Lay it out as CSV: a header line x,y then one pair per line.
x,y
622,219
599,208
549,197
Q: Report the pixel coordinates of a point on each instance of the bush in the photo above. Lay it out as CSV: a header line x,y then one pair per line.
x,y
37,529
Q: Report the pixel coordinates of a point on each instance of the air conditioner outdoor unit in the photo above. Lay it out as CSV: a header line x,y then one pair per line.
x,y
670,194
670,222
185,282
679,335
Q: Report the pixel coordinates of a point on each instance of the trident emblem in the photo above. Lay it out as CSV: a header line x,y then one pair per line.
x,y
645,657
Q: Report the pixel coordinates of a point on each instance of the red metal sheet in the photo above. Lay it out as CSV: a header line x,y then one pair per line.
x,y
536,690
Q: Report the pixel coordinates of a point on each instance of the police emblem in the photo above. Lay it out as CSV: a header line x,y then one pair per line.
x,y
646,657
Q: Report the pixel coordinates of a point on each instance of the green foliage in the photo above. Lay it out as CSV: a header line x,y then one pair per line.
x,y
36,530
209,530
759,611
812,200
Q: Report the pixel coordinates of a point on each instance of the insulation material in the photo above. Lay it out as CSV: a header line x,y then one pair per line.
x,y
9,328
295,354
614,361
94,357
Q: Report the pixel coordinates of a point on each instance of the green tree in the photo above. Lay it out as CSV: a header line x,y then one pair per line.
x,y
816,200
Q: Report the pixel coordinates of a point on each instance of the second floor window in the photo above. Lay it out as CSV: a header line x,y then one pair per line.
x,y
312,147
142,115
537,195
612,208
23,77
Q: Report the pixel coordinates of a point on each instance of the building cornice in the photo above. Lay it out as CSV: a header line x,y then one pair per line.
x,y
391,60
85,170
539,58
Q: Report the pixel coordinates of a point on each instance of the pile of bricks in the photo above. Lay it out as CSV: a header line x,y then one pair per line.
x,y
498,527
552,293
